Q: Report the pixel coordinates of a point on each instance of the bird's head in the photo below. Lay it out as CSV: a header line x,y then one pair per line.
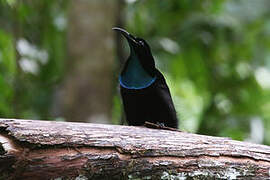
x,y
139,48
140,67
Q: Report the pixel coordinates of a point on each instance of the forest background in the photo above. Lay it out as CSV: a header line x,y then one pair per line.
x,y
60,60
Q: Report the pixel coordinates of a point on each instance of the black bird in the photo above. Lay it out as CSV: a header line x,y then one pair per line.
x,y
145,94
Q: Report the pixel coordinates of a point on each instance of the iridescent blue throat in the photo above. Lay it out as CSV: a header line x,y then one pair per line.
x,y
135,77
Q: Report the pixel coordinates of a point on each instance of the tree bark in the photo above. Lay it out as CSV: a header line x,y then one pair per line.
x,y
32,149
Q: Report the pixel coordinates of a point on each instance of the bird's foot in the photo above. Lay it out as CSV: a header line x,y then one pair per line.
x,y
160,124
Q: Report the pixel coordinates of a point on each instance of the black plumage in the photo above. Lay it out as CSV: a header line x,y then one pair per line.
x,y
145,94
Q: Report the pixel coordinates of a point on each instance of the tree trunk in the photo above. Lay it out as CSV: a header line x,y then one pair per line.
x,y
86,94
32,149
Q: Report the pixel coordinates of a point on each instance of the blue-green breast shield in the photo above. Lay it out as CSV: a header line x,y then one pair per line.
x,y
135,77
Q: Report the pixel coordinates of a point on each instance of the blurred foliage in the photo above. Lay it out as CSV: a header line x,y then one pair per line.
x,y
32,50
215,56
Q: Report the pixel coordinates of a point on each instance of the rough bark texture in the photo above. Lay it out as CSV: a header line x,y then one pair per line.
x,y
32,149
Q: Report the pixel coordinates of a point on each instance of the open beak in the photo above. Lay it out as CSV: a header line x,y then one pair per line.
x,y
131,39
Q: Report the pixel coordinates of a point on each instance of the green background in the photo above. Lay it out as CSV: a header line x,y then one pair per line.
x,y
215,56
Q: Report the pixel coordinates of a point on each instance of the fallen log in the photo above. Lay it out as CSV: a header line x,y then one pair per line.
x,y
32,149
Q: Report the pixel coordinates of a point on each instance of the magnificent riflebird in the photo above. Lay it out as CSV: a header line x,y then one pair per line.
x,y
144,91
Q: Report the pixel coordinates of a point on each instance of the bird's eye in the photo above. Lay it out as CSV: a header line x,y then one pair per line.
x,y
141,43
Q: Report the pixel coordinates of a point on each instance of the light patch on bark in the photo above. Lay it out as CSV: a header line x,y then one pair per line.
x,y
8,145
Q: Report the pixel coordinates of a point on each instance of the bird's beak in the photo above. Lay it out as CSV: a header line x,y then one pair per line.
x,y
131,39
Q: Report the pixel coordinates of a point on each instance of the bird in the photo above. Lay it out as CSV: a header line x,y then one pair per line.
x,y
144,91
